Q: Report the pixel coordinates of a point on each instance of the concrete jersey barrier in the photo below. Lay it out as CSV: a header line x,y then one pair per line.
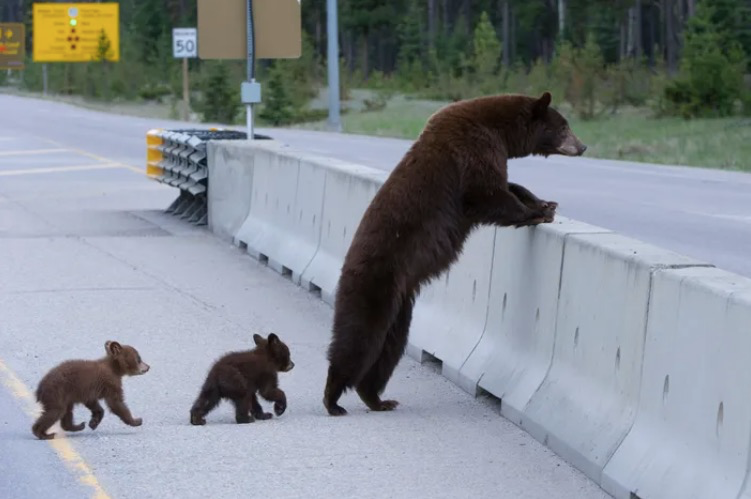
x,y
627,360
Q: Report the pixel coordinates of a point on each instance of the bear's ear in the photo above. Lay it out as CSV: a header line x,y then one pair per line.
x,y
273,338
259,340
541,105
113,348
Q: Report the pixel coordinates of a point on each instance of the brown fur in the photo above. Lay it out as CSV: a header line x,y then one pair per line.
x,y
453,178
237,376
86,382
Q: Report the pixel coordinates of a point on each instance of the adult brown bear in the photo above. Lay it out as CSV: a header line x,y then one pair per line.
x,y
453,178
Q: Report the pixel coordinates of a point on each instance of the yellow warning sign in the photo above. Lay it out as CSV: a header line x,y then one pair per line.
x,y
12,46
76,32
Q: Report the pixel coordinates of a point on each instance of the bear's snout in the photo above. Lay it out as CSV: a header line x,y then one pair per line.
x,y
571,145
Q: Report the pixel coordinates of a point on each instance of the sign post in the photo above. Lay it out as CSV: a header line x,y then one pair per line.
x,y
12,46
250,30
185,46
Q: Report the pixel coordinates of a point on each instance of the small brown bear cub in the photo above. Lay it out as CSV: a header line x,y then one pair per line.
x,y
86,382
237,376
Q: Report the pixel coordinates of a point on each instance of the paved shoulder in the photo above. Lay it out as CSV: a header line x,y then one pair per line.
x,y
183,300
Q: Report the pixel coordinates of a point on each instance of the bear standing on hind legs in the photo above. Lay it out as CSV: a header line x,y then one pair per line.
x,y
453,178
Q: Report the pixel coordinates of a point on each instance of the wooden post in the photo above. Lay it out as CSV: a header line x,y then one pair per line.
x,y
186,91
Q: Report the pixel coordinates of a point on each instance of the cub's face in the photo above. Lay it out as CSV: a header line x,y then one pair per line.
x,y
550,131
277,351
127,358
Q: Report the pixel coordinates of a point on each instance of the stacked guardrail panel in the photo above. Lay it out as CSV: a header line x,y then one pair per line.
x,y
178,158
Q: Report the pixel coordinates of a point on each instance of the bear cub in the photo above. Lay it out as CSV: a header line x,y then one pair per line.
x,y
237,376
86,382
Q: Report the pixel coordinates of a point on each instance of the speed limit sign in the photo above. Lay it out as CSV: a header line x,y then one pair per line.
x,y
184,43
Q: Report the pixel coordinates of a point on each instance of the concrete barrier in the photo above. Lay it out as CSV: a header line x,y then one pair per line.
x,y
692,432
230,167
348,191
514,354
286,200
588,400
625,359
450,313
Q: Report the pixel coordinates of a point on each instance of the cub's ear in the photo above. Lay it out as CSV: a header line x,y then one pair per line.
x,y
273,338
113,348
259,340
541,105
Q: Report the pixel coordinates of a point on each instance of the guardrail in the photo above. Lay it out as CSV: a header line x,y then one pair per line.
x,y
627,360
178,158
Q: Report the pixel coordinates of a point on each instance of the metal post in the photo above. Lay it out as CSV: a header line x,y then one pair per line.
x,y
186,91
44,79
332,30
251,68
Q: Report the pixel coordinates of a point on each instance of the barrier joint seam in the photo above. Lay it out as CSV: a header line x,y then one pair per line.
x,y
320,226
487,309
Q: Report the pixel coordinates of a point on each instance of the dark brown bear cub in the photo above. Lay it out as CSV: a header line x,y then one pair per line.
x,y
453,179
237,376
86,382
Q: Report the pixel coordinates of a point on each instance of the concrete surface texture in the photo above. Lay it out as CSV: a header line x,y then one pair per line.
x,y
86,256
702,213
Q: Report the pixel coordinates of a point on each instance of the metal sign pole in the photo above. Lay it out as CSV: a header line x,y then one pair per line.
x,y
332,30
250,90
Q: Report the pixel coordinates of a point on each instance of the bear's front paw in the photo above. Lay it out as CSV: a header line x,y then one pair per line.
x,y
136,422
263,416
548,210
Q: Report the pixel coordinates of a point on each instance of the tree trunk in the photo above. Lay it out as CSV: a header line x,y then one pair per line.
x,y
638,38
431,22
691,4
364,54
561,17
506,35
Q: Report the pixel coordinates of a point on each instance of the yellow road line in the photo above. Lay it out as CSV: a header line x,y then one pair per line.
x,y
58,169
60,444
27,152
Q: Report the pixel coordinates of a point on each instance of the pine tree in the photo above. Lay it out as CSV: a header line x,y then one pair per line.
x,y
486,49
220,101
277,106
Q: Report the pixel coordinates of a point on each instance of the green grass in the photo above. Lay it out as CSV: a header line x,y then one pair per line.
x,y
631,134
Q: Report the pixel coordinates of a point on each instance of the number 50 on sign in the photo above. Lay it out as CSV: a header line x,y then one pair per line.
x,y
184,43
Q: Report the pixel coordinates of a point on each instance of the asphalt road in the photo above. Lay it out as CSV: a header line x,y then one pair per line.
x,y
87,255
702,213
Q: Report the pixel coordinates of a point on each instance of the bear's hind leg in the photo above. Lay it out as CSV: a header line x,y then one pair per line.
x,y
206,402
67,421
374,382
45,422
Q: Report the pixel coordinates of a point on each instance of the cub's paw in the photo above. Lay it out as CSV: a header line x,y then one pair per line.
x,y
386,405
77,427
263,416
136,422
244,419
334,409
197,420
280,407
